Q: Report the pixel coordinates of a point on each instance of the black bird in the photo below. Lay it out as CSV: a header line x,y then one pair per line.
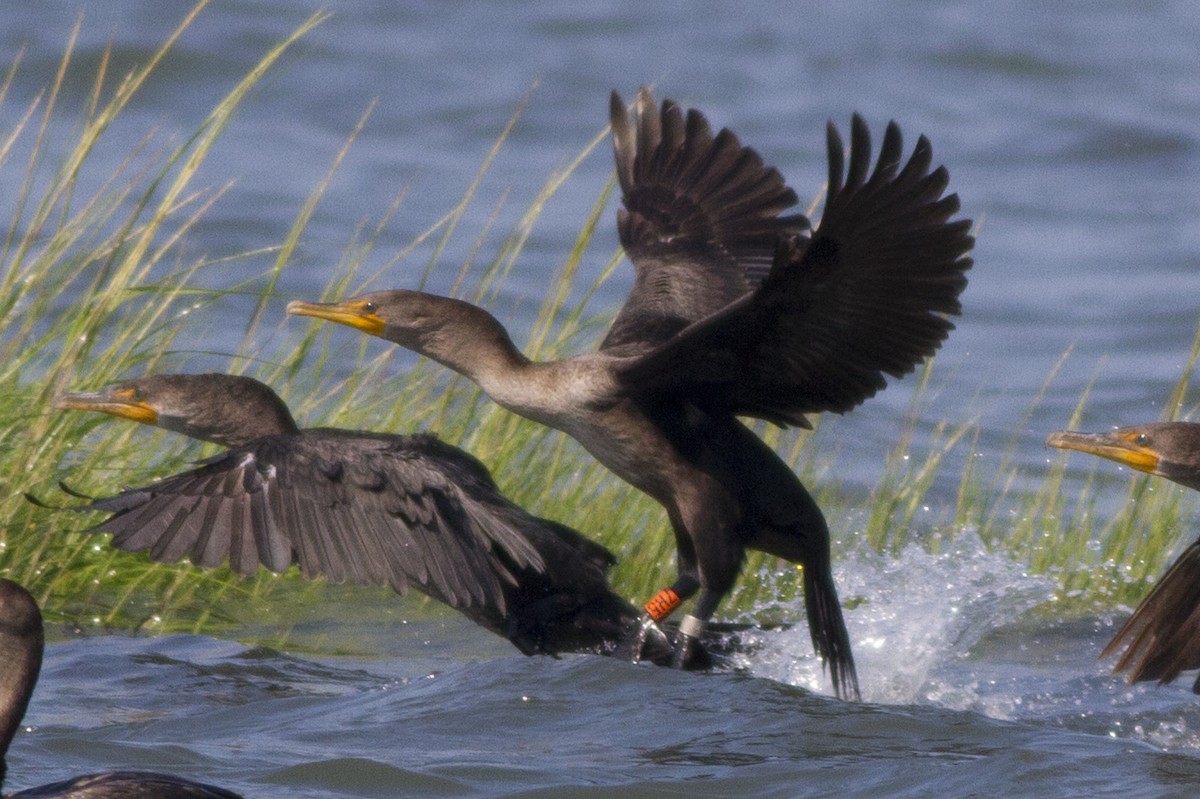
x,y
375,508
1162,637
734,311
21,643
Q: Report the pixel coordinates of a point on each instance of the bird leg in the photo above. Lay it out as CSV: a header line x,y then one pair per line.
x,y
689,654
647,637
663,603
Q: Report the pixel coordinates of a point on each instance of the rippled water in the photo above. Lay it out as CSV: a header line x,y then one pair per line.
x,y
964,696
1070,131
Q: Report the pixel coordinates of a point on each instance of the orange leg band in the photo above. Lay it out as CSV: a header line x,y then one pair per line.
x,y
662,604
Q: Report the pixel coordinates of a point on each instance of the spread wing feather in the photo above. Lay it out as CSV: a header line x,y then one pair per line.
x,y
868,295
388,510
700,218
1162,637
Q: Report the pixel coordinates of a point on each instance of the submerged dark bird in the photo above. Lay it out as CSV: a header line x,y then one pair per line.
x,y
734,311
1162,637
21,643
377,508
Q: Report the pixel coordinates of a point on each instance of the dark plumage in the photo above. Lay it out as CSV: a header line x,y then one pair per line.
x,y
1162,637
21,644
734,311
394,510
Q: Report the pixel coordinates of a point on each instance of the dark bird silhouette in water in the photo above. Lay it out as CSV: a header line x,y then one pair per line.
x,y
735,310
21,643
369,508
1162,637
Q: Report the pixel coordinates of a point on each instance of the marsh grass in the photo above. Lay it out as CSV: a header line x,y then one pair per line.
x,y
93,285
117,255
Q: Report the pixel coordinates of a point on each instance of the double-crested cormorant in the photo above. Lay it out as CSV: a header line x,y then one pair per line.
x,y
365,507
21,644
733,312
1162,637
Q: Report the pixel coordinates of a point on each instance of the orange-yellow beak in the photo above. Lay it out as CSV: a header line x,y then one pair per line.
x,y
352,313
1120,446
121,402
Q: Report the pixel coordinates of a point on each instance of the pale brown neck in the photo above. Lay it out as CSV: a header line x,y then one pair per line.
x,y
486,356
473,343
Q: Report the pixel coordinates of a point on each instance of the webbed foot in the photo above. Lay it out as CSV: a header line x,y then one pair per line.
x,y
644,640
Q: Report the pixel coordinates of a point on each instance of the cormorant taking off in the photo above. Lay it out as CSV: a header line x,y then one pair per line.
x,y
373,508
734,311
21,643
1162,637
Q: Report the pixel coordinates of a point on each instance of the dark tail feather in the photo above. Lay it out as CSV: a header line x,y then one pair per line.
x,y
828,629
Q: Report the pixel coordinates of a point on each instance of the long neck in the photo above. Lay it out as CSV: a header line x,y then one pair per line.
x,y
469,340
21,644
481,349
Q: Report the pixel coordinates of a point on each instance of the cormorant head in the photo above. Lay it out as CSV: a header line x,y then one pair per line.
x,y
1167,449
226,409
442,328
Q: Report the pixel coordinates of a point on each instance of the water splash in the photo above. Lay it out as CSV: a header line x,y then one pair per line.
x,y
915,612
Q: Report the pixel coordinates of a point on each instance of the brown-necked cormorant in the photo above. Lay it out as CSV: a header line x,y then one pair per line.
x,y
1162,637
21,643
374,508
734,311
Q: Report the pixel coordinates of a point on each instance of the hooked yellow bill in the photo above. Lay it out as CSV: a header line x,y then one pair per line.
x,y
1127,446
358,314
121,401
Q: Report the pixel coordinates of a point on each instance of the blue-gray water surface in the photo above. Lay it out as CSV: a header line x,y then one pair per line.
x,y
1071,134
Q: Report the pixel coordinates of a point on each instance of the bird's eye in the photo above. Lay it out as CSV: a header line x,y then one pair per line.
x,y
1142,440
369,307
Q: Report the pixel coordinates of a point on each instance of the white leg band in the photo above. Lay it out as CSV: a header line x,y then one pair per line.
x,y
691,626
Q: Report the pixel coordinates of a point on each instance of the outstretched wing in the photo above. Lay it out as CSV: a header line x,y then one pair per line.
x,y
1162,637
389,510
699,222
869,294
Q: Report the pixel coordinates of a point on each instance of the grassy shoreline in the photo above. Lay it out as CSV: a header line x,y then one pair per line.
x,y
119,253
